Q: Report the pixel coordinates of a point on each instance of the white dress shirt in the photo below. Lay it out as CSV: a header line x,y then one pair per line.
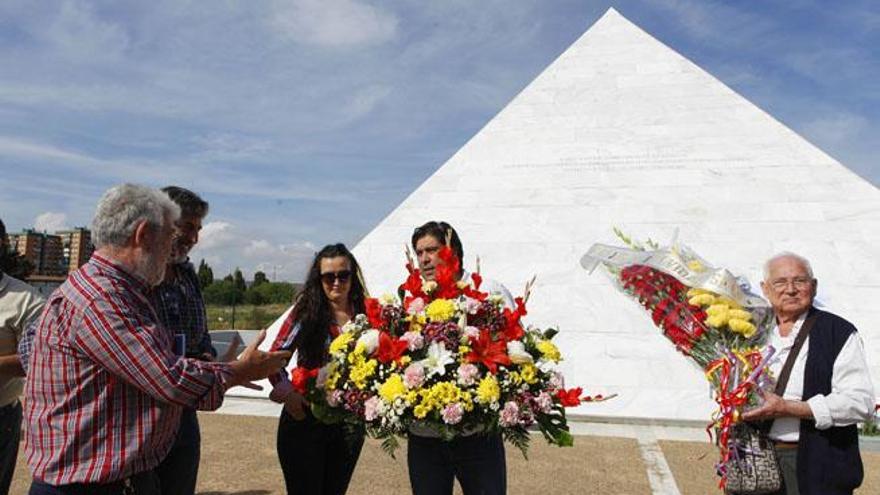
x,y
852,395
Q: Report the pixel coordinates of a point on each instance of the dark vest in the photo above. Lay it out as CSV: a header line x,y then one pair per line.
x,y
828,461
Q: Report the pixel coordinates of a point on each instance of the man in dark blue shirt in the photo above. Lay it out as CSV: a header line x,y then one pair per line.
x,y
181,309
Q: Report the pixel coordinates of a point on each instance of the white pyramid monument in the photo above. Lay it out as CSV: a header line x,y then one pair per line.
x,y
623,131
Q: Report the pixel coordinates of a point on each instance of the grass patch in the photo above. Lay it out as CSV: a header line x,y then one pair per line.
x,y
247,316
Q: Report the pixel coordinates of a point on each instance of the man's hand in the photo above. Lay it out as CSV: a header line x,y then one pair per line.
x,y
254,364
776,407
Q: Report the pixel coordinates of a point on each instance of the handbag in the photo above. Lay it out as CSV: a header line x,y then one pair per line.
x,y
754,468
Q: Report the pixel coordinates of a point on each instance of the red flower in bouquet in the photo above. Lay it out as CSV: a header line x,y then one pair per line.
x,y
490,353
512,328
413,283
570,397
299,378
374,312
474,292
390,349
445,274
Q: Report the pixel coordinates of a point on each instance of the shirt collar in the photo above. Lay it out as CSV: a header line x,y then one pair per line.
x,y
115,268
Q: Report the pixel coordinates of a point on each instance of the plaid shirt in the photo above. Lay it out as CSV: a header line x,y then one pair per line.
x,y
104,393
181,309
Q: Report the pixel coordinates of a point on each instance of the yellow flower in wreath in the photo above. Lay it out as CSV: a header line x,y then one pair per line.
x,y
440,310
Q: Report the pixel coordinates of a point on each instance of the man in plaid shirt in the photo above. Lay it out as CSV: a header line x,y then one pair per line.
x,y
181,310
105,391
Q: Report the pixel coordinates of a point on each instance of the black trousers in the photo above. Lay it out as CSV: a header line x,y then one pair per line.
x,y
179,471
10,435
317,459
476,460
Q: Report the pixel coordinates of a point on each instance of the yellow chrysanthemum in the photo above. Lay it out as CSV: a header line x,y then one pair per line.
x,y
729,302
549,351
742,327
411,397
702,300
463,350
514,377
440,310
488,391
340,343
332,380
445,393
416,322
468,401
392,388
696,292
529,373
421,410
740,314
361,371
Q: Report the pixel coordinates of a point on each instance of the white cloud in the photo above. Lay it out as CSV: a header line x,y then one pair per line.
x,y
215,235
50,222
333,23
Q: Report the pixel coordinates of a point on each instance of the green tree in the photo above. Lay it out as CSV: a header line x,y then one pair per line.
x,y
223,293
238,280
259,278
206,275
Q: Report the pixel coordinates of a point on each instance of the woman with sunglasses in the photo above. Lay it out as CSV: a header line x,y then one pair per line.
x,y
316,458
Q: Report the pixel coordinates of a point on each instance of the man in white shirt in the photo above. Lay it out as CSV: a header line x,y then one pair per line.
x,y
20,304
476,460
828,392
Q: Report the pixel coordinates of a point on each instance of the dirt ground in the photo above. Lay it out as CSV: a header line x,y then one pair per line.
x,y
238,458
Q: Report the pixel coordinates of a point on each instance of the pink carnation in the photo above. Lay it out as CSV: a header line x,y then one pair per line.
x,y
472,332
416,306
467,374
452,413
371,408
414,376
471,306
509,415
544,401
414,340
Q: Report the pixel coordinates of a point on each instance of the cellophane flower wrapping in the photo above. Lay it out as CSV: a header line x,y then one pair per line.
x,y
705,313
445,356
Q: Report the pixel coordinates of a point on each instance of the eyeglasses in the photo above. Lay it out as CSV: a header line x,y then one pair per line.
x,y
800,283
330,277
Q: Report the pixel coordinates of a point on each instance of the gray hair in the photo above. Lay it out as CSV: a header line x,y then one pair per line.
x,y
122,208
787,254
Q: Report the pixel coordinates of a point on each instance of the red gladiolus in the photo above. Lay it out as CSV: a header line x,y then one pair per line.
x,y
490,353
390,348
374,312
570,397
413,283
512,328
299,377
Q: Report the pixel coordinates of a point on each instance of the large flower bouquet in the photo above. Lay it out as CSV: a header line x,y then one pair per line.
x,y
445,356
706,314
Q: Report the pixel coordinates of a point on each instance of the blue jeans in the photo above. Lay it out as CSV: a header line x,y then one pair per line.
x,y
476,460
146,483
179,470
10,435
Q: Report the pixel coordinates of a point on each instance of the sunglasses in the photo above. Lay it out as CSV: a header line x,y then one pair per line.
x,y
330,277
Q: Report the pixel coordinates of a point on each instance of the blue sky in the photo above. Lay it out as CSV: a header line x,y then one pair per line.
x,y
305,122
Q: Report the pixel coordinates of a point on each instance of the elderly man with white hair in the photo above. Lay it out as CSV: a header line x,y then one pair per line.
x,y
829,388
105,391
